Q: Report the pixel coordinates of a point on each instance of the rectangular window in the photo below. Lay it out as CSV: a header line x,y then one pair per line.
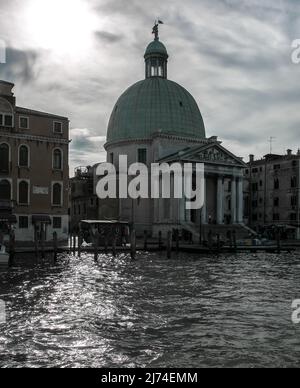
x,y
24,122
23,222
57,222
276,202
293,217
1,120
294,201
276,217
277,166
293,182
8,121
142,155
57,127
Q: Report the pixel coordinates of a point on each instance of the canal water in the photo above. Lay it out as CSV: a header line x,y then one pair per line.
x,y
190,311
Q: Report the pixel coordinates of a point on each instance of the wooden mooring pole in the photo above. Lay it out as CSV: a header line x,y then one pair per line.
x,y
12,247
114,243
133,243
74,244
169,245
218,242
278,240
177,240
80,241
36,242
43,235
234,241
160,240
55,245
210,240
145,240
96,242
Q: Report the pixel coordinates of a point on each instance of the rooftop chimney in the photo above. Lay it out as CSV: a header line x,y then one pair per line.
x,y
289,152
251,157
6,89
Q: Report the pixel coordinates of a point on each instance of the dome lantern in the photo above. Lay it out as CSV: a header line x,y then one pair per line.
x,y
156,56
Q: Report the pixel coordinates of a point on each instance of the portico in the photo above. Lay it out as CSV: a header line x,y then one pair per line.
x,y
223,191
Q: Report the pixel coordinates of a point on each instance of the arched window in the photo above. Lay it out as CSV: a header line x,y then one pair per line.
x,y
57,194
23,193
57,159
23,156
4,158
5,190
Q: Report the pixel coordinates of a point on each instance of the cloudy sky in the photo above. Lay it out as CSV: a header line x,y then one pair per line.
x,y
75,57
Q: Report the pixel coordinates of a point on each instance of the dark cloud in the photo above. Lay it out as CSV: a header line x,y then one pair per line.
x,y
19,66
108,37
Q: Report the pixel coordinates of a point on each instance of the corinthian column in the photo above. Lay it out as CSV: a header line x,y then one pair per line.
x,y
220,201
240,201
233,201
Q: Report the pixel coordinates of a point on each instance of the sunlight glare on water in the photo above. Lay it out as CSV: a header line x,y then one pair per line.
x,y
230,311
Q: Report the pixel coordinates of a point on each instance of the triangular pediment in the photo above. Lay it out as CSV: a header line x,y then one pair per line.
x,y
212,153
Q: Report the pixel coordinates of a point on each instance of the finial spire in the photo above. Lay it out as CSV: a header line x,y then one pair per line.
x,y
155,29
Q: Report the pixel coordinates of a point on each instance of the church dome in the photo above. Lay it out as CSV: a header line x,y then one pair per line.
x,y
155,104
152,105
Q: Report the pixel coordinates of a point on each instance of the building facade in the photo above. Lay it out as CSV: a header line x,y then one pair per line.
x,y
84,202
274,193
158,121
34,170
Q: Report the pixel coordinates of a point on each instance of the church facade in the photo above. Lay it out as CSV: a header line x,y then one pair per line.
x,y
158,121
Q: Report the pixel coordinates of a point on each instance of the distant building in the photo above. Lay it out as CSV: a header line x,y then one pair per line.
x,y
84,202
273,193
34,171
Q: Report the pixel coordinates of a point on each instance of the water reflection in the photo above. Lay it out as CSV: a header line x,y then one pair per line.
x,y
185,312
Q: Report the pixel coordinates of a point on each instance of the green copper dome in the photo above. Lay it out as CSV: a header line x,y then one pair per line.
x,y
155,104
156,47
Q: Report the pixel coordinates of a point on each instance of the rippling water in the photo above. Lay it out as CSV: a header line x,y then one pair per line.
x,y
232,311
